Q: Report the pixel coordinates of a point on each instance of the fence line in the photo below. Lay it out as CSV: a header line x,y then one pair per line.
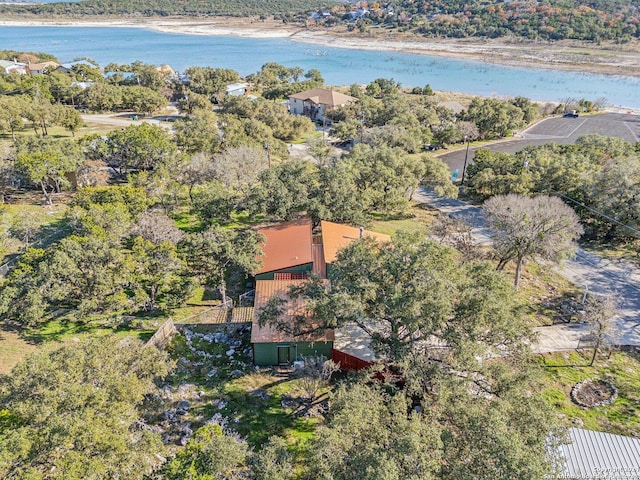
x,y
166,331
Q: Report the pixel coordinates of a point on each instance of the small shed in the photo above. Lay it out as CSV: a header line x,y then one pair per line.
x,y
273,347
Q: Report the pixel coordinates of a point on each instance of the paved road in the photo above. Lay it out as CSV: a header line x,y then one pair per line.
x,y
557,130
586,270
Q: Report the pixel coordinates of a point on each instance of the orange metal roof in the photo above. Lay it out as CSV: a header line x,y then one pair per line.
x,y
265,290
287,244
336,236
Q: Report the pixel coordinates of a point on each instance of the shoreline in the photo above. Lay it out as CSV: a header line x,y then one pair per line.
x,y
565,56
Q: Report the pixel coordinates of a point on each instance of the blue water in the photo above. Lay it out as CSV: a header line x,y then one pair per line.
x,y
338,66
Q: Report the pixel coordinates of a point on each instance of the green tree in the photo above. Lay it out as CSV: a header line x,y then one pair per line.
x,y
614,192
383,176
198,132
142,99
438,178
102,97
11,116
88,274
333,199
139,147
273,460
369,436
214,255
495,118
211,81
47,163
158,275
70,411
284,190
210,455
214,203
69,118
496,173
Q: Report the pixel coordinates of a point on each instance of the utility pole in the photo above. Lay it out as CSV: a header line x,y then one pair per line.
x,y
267,147
466,157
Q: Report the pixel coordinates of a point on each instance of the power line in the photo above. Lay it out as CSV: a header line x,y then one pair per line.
x,y
604,215
527,164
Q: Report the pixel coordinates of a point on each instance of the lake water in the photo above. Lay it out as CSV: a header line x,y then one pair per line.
x,y
338,66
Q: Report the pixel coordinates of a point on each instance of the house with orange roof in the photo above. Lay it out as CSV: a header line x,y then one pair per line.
x,y
287,251
292,252
273,347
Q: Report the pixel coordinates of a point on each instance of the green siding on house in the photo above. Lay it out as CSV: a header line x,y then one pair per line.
x,y
296,269
265,354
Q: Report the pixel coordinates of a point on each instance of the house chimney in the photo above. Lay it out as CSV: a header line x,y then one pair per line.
x,y
361,232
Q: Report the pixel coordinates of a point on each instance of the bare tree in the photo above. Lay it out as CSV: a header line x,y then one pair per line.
x,y
157,227
524,227
458,234
240,167
600,312
197,169
316,374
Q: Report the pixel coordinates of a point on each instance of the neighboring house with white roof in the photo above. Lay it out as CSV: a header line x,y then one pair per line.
x,y
237,89
316,102
13,67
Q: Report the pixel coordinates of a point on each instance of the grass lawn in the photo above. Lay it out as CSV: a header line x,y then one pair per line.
x,y
564,370
416,220
13,348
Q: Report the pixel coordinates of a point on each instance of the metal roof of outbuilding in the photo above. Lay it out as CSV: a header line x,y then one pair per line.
x,y
267,289
600,455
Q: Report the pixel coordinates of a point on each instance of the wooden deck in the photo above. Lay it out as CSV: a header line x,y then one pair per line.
x,y
218,315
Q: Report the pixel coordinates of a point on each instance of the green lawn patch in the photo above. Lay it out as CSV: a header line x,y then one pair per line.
x,y
417,220
564,370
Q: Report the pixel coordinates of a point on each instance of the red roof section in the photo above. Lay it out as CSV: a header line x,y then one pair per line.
x,y
265,290
336,236
287,244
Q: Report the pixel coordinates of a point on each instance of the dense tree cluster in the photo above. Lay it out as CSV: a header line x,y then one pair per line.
x,y
598,177
69,412
592,20
287,9
456,395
